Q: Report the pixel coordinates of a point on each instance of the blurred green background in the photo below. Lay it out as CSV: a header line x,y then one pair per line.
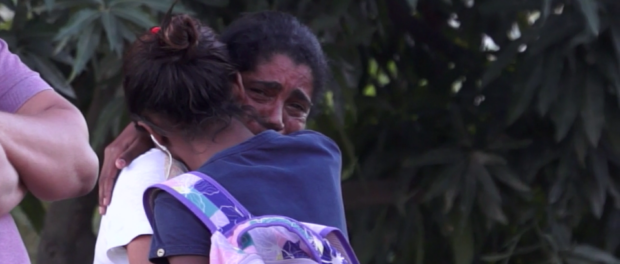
x,y
471,131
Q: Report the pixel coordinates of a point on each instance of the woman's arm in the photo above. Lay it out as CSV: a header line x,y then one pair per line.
x,y
138,250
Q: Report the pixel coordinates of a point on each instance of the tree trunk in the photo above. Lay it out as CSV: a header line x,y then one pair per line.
x,y
67,235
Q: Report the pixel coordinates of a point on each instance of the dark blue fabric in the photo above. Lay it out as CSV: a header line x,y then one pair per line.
x,y
297,175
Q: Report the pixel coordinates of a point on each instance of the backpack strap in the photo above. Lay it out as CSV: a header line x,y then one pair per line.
x,y
336,239
216,208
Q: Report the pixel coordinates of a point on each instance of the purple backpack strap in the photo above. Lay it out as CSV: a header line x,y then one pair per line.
x,y
216,208
336,240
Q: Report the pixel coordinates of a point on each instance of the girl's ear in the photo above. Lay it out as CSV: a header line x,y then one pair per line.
x,y
159,138
238,89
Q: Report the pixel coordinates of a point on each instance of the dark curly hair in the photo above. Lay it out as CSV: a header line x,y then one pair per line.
x,y
256,37
183,74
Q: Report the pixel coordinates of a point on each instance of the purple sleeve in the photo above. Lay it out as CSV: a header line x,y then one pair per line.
x,y
18,83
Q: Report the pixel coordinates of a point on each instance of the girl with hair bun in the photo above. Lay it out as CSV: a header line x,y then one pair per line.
x,y
184,92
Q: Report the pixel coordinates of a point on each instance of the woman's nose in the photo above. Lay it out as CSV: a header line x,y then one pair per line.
x,y
274,120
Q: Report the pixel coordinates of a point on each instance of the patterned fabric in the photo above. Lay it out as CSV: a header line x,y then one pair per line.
x,y
239,237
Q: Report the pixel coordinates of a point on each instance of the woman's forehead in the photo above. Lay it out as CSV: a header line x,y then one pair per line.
x,y
280,72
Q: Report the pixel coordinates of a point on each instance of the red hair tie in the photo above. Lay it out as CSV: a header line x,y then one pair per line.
x,y
155,30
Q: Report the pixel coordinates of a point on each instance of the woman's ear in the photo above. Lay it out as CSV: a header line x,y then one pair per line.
x,y
238,89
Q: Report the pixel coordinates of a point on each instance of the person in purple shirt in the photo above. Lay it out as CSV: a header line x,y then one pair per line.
x,y
44,148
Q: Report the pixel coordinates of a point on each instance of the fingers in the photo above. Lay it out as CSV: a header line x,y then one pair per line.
x,y
125,148
109,172
109,168
142,144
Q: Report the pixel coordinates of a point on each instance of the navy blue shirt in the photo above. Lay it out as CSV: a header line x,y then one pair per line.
x,y
297,175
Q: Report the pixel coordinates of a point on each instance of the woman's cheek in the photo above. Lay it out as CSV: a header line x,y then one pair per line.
x,y
294,125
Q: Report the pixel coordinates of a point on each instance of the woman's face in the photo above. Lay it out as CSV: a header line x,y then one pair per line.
x,y
280,91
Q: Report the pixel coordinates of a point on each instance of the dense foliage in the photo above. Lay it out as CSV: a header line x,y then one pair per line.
x,y
471,131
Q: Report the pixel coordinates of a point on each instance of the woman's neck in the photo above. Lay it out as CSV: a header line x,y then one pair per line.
x,y
196,152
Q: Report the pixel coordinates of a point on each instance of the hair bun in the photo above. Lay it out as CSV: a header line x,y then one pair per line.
x,y
180,33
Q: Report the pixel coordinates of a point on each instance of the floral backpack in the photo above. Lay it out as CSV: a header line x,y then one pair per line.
x,y
240,238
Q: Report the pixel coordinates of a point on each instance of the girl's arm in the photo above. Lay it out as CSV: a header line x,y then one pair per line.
x,y
178,235
138,250
188,260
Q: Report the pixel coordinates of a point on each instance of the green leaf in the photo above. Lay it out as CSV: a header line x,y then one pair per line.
x,y
494,70
508,177
608,66
554,64
593,111
554,33
109,25
463,245
527,91
615,36
135,16
110,115
86,46
127,34
8,3
580,143
483,176
445,179
565,110
546,8
495,7
216,3
589,8
49,4
435,157
491,208
593,254
77,24
559,186
33,209
596,196
468,192
413,4
53,76
159,5
600,169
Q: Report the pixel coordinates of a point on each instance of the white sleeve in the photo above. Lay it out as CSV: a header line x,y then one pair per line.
x,y
125,218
